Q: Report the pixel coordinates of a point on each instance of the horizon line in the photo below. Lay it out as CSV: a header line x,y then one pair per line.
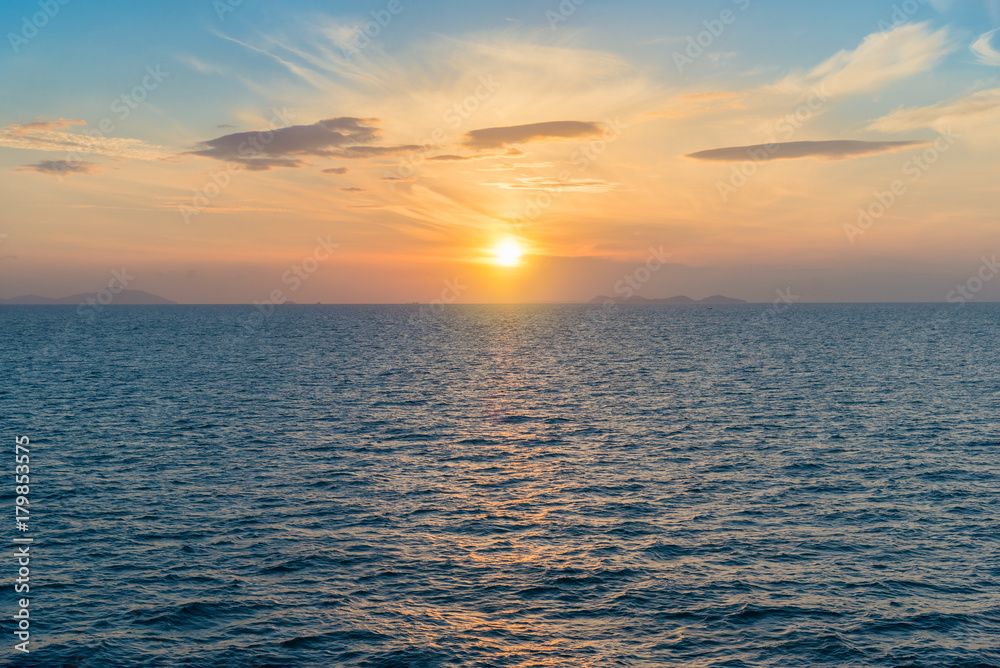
x,y
541,303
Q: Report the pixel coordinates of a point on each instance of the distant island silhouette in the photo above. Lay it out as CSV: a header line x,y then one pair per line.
x,y
680,299
140,297
124,297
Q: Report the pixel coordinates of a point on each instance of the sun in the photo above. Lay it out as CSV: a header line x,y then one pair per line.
x,y
508,253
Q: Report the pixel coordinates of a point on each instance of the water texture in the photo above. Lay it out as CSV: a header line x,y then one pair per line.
x,y
507,485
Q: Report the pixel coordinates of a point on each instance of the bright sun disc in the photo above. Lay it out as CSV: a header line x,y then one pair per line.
x,y
508,253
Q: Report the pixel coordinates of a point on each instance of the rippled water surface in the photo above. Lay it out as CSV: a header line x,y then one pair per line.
x,y
508,485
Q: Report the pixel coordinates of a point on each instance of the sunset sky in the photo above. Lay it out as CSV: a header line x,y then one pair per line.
x,y
499,151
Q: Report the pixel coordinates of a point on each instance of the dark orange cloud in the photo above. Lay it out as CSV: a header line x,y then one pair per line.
x,y
62,167
343,137
825,150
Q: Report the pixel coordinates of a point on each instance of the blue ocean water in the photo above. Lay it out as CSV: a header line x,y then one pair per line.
x,y
507,485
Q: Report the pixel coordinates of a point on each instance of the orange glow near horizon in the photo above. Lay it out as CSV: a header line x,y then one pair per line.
x,y
544,185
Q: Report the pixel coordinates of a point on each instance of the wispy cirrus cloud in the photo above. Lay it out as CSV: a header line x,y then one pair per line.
x,y
561,185
358,152
246,206
695,104
984,50
823,150
38,126
980,105
53,136
521,134
880,59
511,166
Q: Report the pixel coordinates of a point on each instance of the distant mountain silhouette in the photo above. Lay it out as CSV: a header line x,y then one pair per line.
x,y
680,299
125,297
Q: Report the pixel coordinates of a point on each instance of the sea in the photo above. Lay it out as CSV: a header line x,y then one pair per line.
x,y
504,485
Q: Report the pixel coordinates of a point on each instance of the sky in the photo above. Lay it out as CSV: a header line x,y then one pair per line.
x,y
392,151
